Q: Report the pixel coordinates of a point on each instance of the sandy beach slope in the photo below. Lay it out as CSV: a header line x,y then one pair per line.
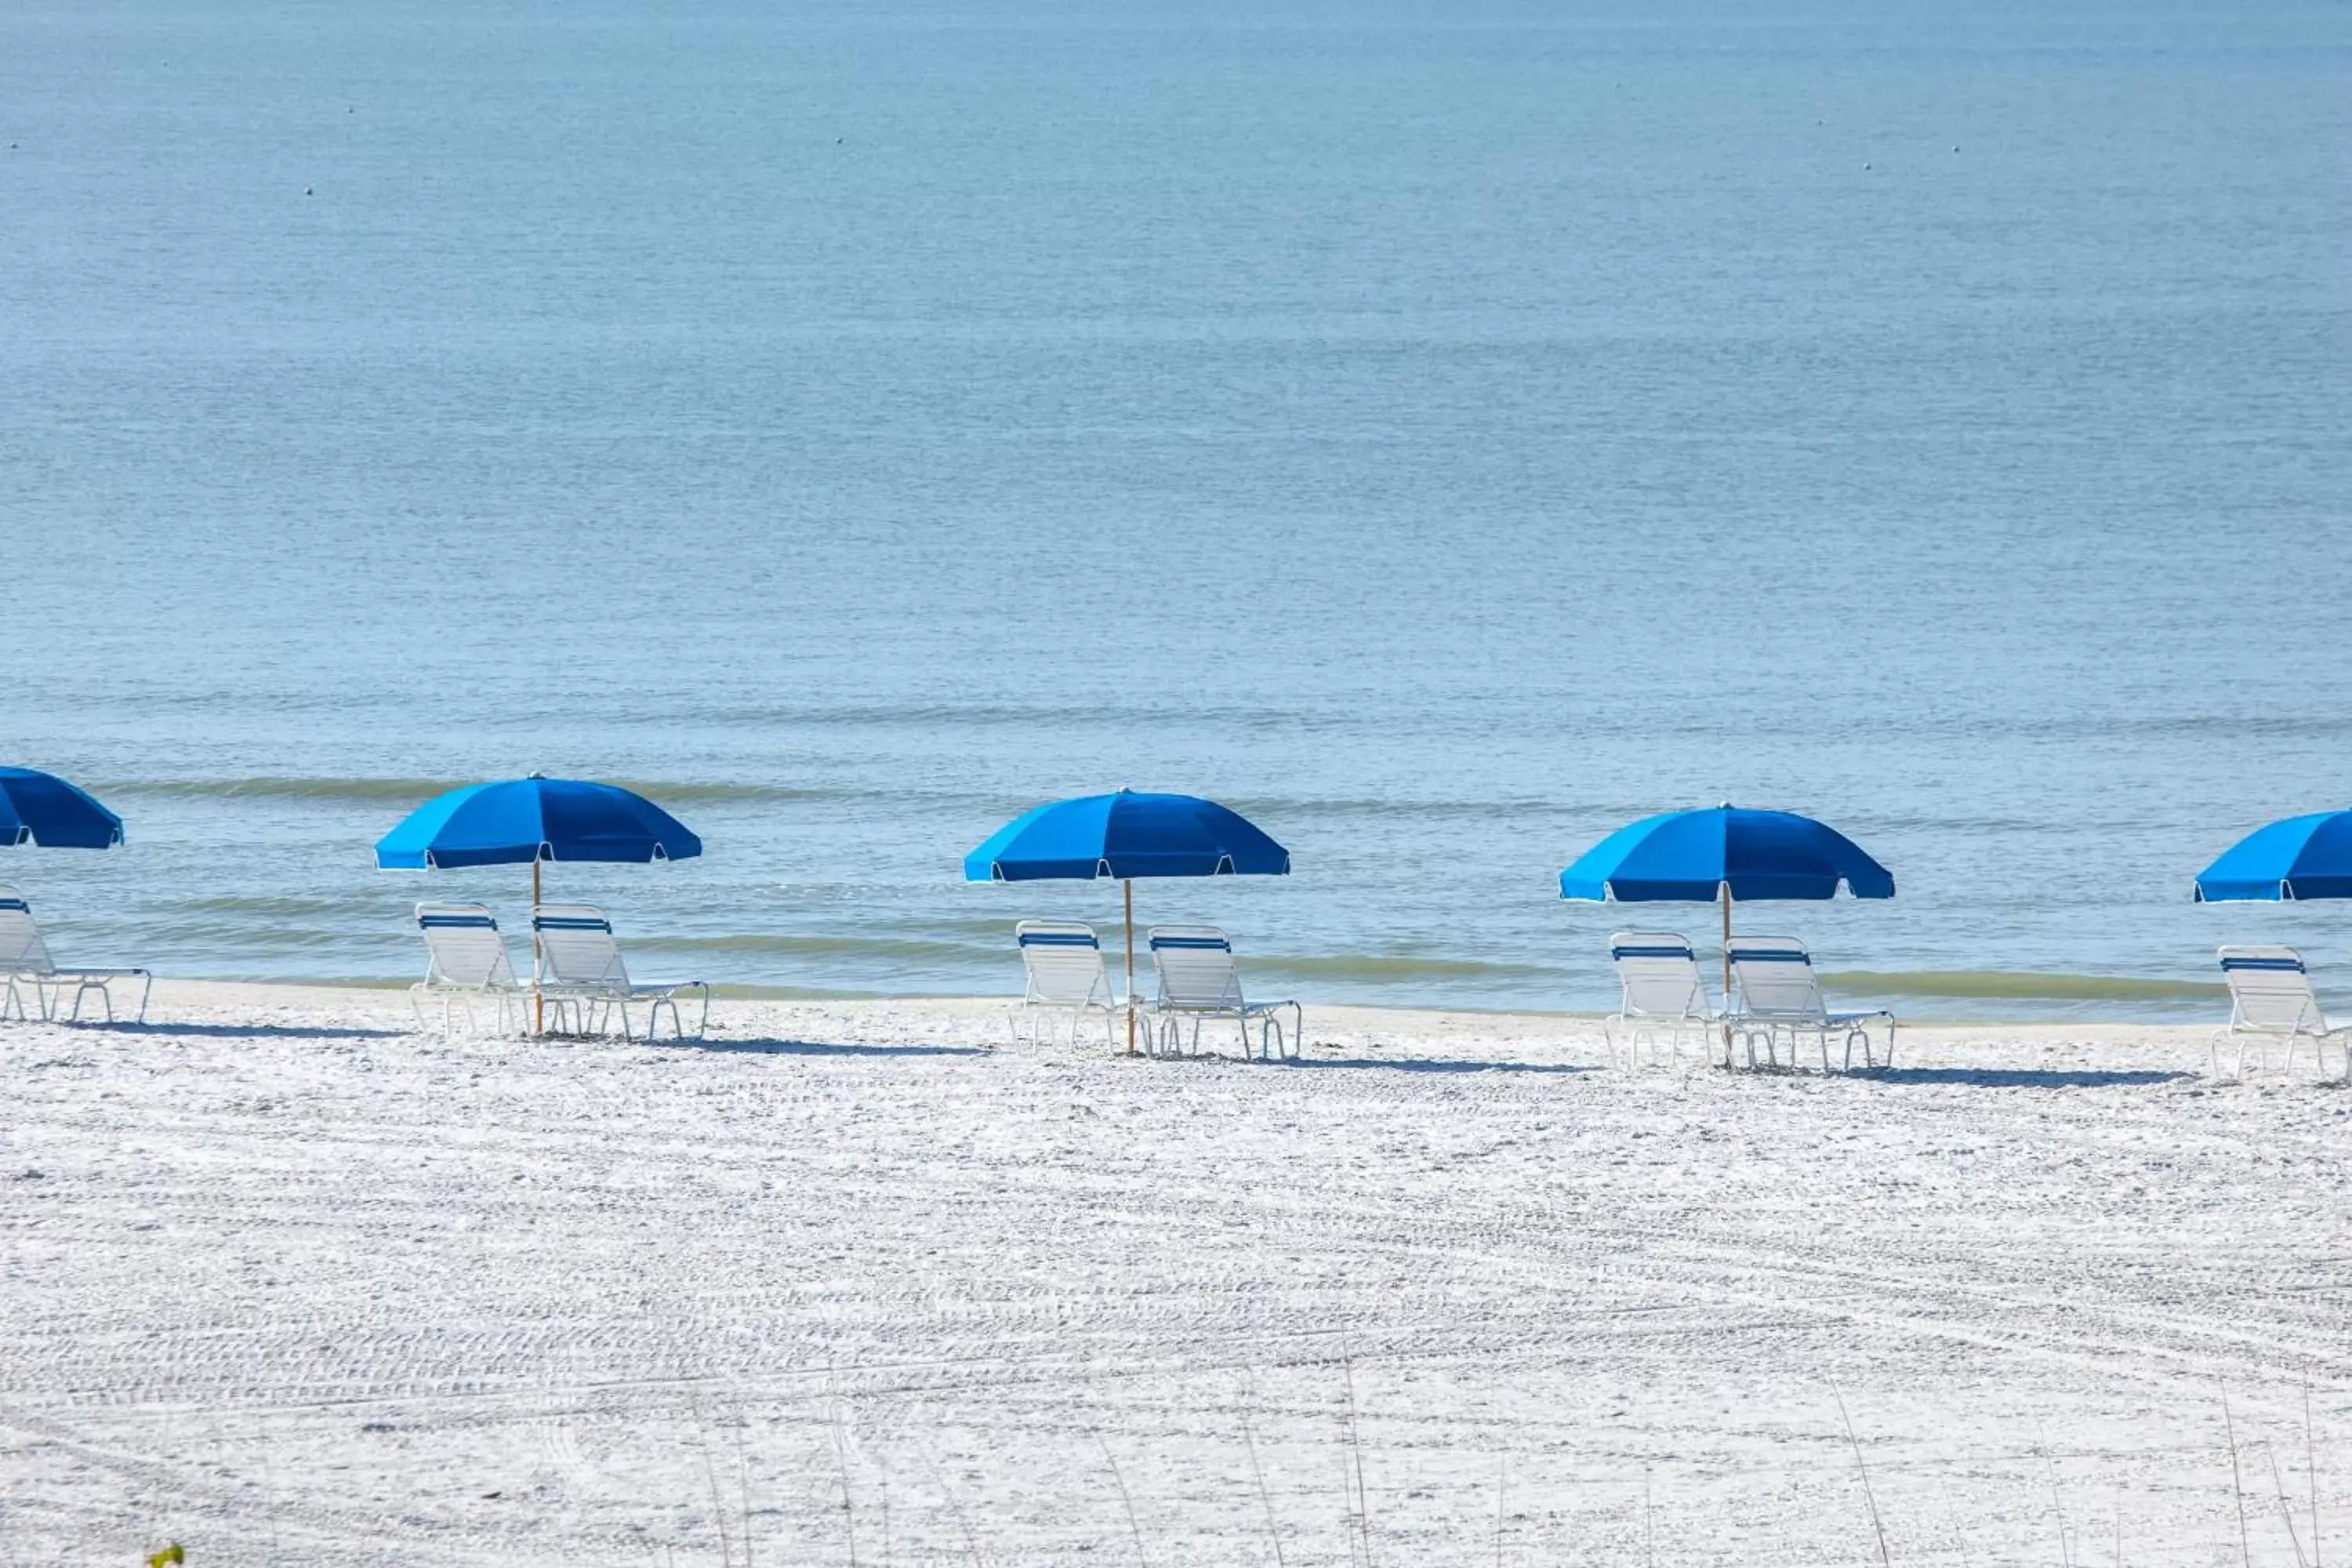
x,y
291,1283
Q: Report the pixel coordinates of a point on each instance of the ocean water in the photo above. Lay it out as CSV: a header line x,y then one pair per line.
x,y
1442,433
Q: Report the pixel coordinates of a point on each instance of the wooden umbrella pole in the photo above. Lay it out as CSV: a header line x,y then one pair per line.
x,y
538,1000
1128,884
1726,972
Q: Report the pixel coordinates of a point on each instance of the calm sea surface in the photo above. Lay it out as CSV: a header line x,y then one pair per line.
x,y
1441,432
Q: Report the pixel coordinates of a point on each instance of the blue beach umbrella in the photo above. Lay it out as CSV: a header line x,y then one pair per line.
x,y
2296,859
1721,855
534,819
537,818
43,809
1125,836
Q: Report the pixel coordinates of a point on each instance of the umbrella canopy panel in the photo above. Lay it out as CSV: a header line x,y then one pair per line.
x,y
1691,857
1125,836
2300,858
534,818
43,809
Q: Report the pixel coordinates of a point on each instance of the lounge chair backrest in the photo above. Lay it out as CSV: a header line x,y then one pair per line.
x,y
1063,961
1774,977
464,943
1196,967
21,950
2270,990
1657,975
576,946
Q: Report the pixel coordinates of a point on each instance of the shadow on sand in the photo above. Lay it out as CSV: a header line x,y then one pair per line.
x,y
233,1031
2027,1077
815,1048
1424,1064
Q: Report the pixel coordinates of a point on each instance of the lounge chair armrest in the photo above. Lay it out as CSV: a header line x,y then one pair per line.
x,y
667,987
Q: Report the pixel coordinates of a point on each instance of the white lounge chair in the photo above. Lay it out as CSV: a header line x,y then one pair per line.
x,y
1063,963
25,963
1661,997
466,962
2271,998
1198,980
581,975
1775,992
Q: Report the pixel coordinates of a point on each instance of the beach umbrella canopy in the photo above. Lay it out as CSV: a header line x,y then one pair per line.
x,y
43,809
1699,856
533,819
2298,858
1125,836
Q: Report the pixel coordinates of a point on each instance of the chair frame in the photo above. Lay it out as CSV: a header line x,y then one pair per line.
x,y
1039,938
454,994
591,1004
31,968
1635,1023
1753,1025
2250,1030
1165,1018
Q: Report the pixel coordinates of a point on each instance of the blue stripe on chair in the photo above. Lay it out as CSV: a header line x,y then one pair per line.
x,y
2291,966
1617,952
1752,955
470,922
1057,938
568,923
17,904
1210,942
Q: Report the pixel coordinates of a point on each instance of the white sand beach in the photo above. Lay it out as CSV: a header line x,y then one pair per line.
x,y
291,1283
